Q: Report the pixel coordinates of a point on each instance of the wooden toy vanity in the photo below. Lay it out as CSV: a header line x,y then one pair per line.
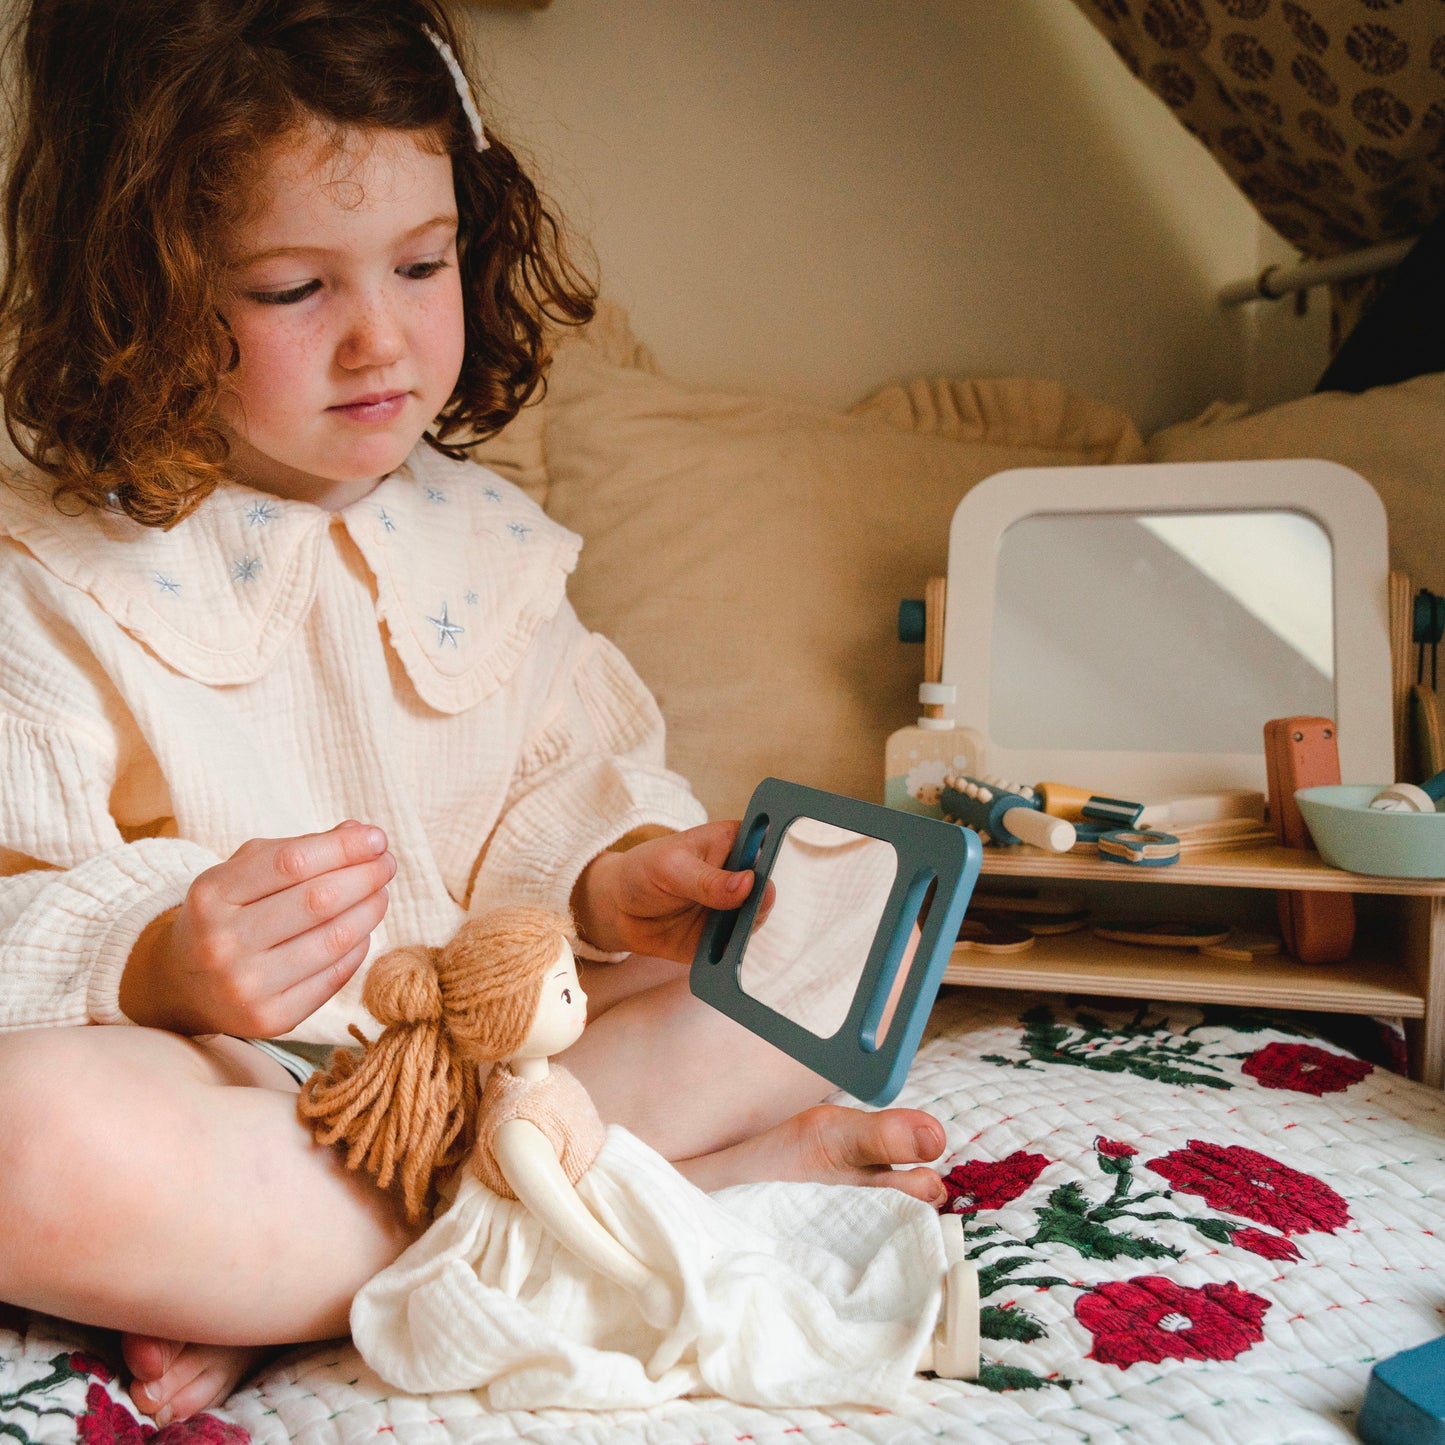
x,y
1397,967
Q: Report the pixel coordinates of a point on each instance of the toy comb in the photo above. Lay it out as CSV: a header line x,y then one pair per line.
x,y
999,815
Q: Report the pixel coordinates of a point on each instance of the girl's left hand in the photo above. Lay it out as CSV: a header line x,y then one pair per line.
x,y
655,897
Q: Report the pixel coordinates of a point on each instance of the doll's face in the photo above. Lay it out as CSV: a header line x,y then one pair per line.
x,y
561,1011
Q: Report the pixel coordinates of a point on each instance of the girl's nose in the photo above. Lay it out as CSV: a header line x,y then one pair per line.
x,y
373,337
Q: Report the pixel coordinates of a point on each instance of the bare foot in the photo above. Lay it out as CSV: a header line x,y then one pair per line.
x,y
172,1380
833,1145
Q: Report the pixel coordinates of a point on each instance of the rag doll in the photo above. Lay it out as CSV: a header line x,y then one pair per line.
x,y
570,1265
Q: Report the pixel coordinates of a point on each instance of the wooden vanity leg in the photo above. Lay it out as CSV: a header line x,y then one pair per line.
x,y
1425,957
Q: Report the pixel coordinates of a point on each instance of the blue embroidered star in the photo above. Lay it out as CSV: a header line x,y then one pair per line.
x,y
435,494
491,494
259,513
446,629
167,584
472,598
385,520
518,529
244,569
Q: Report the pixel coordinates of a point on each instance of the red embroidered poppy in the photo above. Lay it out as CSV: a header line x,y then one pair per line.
x,y
108,1422
1305,1068
84,1364
1241,1181
1266,1246
1151,1319
1114,1148
990,1183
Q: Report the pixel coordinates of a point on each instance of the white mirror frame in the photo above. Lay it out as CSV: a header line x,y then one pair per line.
x,y
1340,500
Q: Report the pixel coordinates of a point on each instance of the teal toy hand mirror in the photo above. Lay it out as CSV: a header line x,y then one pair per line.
x,y
838,952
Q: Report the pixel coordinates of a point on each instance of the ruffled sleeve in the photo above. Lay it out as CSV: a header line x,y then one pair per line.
x,y
592,771
75,896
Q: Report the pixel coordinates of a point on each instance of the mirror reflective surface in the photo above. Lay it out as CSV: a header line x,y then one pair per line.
x,y
1159,614
805,955
1165,633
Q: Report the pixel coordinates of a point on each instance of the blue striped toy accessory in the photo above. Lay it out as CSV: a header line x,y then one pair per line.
x,y
1141,848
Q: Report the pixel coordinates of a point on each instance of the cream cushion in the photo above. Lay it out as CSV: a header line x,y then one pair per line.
x,y
1393,436
748,554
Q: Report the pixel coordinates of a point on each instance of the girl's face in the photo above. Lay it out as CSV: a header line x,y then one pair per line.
x,y
346,308
561,1011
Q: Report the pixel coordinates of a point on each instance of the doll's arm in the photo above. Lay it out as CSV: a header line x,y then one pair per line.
x,y
529,1164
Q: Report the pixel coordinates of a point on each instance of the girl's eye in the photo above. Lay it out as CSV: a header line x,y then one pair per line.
x,y
566,995
289,297
422,269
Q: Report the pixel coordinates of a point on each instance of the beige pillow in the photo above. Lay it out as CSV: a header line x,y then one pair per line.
x,y
1393,436
517,452
748,554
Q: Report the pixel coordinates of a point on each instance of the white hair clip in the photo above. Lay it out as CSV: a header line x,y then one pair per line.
x,y
459,79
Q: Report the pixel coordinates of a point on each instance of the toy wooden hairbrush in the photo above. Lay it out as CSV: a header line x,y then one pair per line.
x,y
999,815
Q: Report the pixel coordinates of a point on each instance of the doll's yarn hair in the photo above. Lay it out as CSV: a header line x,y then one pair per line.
x,y
405,1106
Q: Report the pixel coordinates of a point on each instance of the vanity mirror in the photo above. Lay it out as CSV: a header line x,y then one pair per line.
x,y
1132,628
838,952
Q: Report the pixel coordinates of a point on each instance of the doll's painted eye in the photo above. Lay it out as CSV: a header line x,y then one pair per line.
x,y
566,995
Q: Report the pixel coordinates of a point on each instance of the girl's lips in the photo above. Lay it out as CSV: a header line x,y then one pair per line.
x,y
373,409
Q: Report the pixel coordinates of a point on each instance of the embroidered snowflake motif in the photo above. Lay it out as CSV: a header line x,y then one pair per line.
x,y
166,584
259,513
472,598
491,494
244,569
446,629
435,494
518,529
385,520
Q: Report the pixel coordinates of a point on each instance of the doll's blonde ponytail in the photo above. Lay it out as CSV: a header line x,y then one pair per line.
x,y
405,1107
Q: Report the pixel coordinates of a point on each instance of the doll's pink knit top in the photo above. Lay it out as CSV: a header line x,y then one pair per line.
x,y
558,1105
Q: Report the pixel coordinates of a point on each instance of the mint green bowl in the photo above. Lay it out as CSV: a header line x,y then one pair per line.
x,y
1350,835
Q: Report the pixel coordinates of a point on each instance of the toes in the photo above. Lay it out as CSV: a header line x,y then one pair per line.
x,y
922,1184
209,1386
866,1140
148,1357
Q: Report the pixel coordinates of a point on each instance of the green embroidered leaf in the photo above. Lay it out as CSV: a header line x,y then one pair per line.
x,y
1092,1240
1009,1323
1214,1229
1013,1377
995,1276
1147,1055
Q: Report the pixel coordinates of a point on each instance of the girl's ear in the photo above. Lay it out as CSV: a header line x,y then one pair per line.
x,y
405,1106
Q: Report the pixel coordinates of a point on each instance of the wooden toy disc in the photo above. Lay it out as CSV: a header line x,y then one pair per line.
x,y
1166,933
1028,900
990,936
1036,923
1244,947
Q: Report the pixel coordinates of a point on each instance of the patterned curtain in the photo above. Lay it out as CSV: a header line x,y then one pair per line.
x,y
1329,115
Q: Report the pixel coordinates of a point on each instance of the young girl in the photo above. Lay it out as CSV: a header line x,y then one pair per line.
x,y
288,680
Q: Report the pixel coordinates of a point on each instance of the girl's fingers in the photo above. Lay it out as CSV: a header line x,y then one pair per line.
x,y
267,866
320,902
322,961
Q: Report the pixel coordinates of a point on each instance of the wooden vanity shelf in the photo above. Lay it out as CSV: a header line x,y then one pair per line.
x,y
1397,967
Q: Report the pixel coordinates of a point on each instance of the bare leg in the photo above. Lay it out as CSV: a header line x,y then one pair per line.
x,y
164,1187
726,1106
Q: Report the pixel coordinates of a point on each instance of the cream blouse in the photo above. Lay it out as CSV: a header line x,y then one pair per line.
x,y
267,668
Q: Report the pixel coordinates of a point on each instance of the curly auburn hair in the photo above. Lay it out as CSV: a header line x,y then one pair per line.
x,y
143,127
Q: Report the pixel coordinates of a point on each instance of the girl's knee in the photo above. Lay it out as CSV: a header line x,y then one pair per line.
x,y
65,1122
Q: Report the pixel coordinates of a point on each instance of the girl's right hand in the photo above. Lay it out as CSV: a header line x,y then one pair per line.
x,y
263,939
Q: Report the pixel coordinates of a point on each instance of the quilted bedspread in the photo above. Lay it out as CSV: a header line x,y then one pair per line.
x,y
1191,1225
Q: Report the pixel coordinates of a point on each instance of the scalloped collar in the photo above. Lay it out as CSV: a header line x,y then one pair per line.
x,y
466,568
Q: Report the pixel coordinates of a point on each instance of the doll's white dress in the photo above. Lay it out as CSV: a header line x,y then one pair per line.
x,y
783,1295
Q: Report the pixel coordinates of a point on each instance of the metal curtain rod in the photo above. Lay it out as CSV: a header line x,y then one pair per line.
x,y
1276,281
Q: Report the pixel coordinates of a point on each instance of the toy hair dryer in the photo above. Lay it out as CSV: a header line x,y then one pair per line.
x,y
1410,798
1000,816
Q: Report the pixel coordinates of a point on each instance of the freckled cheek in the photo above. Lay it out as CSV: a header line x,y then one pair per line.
x,y
279,371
